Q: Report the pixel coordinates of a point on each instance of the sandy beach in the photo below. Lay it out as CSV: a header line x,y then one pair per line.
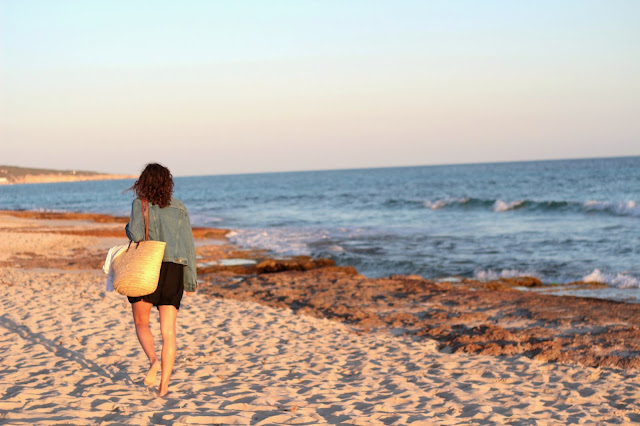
x,y
69,353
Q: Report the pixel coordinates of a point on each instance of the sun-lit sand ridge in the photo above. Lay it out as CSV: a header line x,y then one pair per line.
x,y
69,354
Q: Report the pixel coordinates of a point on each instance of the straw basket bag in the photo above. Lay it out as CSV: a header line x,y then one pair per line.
x,y
137,269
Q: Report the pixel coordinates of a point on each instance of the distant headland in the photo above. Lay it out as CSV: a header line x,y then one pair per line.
x,y
11,175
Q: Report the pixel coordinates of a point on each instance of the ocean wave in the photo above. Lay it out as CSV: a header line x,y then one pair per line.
x,y
503,206
46,210
621,208
497,205
618,280
335,248
490,274
205,220
456,202
297,241
394,202
282,241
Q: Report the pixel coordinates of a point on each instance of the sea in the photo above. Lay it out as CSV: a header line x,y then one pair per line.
x,y
561,221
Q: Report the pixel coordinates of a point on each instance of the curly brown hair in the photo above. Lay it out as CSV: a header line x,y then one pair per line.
x,y
155,185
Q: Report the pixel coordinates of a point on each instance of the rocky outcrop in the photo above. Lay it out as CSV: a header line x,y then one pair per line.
x,y
299,263
271,266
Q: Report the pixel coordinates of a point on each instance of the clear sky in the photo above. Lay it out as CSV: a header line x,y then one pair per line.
x,y
212,87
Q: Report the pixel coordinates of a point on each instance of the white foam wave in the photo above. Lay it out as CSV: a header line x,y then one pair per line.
x,y
285,242
622,208
46,210
490,274
503,206
439,204
618,280
435,205
204,220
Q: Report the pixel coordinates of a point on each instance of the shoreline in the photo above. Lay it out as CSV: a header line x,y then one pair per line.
x,y
493,318
304,262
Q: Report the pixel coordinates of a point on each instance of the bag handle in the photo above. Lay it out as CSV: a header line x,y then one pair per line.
x,y
145,218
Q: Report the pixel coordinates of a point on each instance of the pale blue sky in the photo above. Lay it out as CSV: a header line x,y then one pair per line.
x,y
209,87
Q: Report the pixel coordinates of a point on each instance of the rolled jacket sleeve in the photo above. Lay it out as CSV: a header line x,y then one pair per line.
x,y
190,273
135,227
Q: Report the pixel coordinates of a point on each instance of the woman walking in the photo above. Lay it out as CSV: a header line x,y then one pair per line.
x,y
169,222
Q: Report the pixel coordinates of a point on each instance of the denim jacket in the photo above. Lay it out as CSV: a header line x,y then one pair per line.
x,y
173,226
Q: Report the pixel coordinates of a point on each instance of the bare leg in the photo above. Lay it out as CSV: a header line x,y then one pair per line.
x,y
168,315
141,311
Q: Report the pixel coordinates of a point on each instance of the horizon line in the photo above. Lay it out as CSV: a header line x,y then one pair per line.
x,y
348,168
412,165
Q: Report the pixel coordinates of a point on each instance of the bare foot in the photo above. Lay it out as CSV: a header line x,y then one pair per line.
x,y
163,390
150,380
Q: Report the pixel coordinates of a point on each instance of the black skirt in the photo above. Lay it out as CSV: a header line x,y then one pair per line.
x,y
170,287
